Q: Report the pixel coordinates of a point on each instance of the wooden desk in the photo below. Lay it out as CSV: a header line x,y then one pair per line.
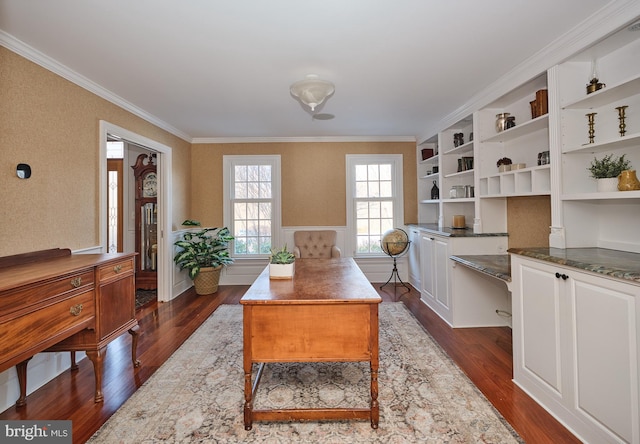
x,y
327,313
57,301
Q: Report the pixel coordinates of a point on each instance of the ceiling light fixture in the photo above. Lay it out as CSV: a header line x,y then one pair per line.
x,y
312,91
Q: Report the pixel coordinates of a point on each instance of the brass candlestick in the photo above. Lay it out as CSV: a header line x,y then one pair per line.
x,y
592,130
623,125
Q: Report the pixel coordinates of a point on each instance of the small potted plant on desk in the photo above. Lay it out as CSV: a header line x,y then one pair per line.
x,y
204,253
282,264
607,170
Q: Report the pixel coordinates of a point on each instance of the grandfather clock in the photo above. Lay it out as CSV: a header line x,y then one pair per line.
x,y
146,209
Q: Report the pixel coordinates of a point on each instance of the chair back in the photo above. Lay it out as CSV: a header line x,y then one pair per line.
x,y
315,244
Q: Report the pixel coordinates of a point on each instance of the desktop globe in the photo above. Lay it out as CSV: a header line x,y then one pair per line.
x,y
394,242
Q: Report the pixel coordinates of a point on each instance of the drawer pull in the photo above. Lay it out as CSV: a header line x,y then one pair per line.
x,y
76,282
117,268
76,310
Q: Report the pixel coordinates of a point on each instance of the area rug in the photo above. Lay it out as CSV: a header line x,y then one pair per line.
x,y
143,297
197,395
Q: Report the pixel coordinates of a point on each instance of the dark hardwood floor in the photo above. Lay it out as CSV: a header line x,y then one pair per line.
x,y
484,354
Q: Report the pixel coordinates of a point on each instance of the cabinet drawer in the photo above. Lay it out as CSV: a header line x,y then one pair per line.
x,y
114,269
45,326
31,297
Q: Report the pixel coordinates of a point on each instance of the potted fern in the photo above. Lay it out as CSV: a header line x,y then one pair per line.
x,y
203,253
607,170
282,264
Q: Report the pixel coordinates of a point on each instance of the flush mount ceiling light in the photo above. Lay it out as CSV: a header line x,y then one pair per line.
x,y
312,91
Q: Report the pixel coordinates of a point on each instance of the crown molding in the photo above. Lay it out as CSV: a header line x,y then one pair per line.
x,y
610,18
37,57
199,140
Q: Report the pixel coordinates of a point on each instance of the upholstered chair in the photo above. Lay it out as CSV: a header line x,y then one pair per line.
x,y
315,244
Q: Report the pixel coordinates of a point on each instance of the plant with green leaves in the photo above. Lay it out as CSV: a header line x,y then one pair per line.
x,y
282,256
609,166
208,247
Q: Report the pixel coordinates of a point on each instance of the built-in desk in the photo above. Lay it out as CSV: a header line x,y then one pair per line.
x,y
495,265
459,294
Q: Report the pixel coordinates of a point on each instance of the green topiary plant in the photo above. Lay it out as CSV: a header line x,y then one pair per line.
x,y
282,256
608,166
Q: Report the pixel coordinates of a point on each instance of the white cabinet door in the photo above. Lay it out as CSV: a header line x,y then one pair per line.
x,y
414,258
443,296
427,275
605,334
536,335
434,262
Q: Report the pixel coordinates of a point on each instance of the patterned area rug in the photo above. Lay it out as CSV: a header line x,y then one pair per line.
x,y
143,297
197,395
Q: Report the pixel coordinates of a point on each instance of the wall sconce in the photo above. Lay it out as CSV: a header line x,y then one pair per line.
x,y
23,171
312,91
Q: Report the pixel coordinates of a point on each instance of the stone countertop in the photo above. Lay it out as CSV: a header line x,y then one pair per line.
x,y
453,232
496,265
613,263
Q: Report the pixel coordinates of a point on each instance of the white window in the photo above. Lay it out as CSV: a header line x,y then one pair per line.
x,y
252,203
374,200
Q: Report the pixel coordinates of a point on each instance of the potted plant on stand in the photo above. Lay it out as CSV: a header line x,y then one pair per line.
x,y
607,170
282,264
204,253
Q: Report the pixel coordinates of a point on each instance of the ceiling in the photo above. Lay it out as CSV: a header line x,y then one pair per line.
x,y
221,69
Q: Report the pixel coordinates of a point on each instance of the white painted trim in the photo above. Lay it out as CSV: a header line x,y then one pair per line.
x,y
165,198
32,54
344,139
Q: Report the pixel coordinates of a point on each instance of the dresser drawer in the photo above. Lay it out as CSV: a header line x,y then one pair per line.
x,y
42,293
46,326
115,269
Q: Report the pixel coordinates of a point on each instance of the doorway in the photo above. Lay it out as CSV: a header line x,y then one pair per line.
x,y
137,144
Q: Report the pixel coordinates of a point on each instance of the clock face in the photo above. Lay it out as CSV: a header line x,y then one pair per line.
x,y
150,185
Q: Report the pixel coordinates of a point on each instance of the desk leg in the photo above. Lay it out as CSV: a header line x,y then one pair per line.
x,y
375,362
21,368
134,345
247,365
248,398
97,357
375,407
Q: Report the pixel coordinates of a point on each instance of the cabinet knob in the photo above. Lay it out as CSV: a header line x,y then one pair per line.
x,y
117,268
563,276
76,282
76,310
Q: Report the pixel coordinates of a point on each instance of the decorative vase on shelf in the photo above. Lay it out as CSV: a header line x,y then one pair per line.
x,y
435,191
607,184
628,181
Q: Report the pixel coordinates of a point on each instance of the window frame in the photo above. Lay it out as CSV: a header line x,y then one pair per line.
x,y
229,162
396,161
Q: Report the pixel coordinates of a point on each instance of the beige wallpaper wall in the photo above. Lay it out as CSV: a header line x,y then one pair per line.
x,y
313,179
528,221
53,125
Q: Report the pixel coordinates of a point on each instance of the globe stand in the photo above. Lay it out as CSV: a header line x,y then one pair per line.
x,y
396,277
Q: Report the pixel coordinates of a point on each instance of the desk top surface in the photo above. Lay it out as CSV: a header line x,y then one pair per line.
x,y
316,281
